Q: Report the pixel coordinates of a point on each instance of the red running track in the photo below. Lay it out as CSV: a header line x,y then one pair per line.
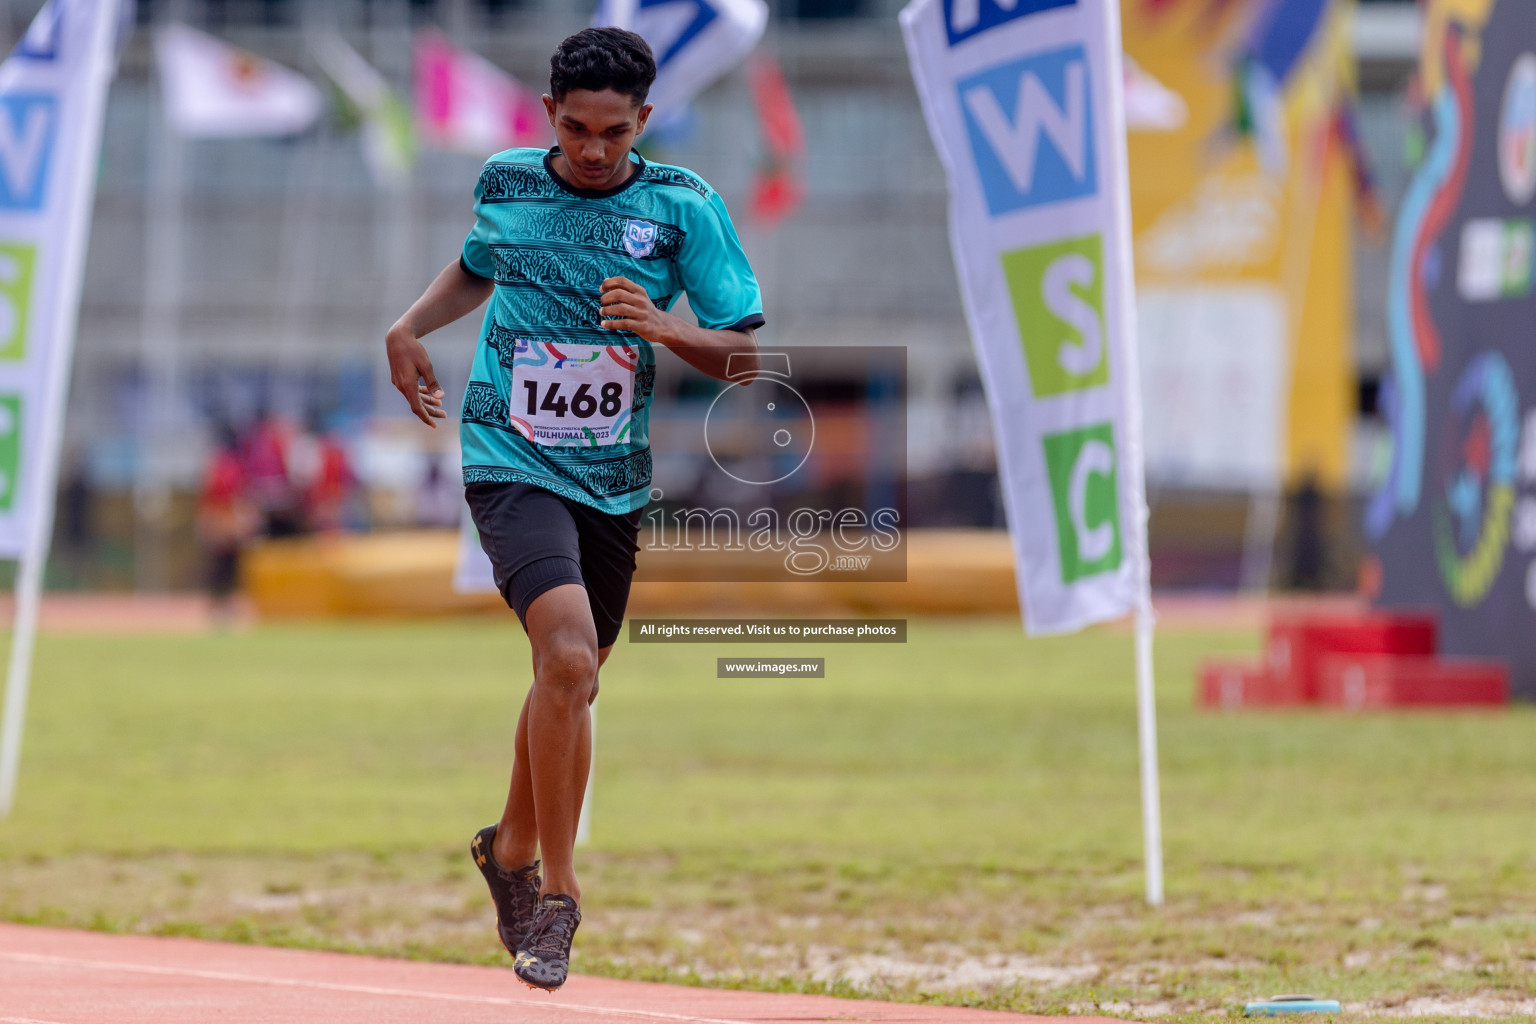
x,y
51,976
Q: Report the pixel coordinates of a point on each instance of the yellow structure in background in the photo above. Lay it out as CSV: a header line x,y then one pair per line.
x,y
410,573
1212,216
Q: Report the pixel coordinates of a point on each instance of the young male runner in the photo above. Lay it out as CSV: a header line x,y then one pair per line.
x,y
582,250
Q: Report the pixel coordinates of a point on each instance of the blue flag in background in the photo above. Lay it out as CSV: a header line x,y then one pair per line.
x,y
695,41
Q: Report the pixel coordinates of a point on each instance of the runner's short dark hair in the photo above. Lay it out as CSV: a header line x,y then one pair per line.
x,y
603,58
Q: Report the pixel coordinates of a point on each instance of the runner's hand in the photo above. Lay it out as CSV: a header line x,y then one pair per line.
x,y
626,307
410,370
432,401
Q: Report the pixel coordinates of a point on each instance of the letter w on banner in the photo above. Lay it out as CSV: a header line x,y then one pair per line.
x,y
1023,100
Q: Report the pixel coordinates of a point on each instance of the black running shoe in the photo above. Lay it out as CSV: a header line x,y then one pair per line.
x,y
545,956
515,893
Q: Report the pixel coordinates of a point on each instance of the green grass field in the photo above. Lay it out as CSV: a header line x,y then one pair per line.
x,y
953,819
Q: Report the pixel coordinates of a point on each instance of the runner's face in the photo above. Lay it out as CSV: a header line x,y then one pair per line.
x,y
595,132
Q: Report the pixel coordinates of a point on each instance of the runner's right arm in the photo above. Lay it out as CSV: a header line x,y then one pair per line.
x,y
454,293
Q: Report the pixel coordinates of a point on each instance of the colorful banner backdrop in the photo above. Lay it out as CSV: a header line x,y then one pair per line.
x,y
1243,212
52,97
1454,518
1023,100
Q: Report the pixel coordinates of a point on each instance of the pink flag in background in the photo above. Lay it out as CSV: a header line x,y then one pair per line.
x,y
466,103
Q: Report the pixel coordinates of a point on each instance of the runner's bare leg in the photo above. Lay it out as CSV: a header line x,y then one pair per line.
x,y
517,837
558,727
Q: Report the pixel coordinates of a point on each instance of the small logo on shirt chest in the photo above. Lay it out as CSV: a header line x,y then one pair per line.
x,y
639,238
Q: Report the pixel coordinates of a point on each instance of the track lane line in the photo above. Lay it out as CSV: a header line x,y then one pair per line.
x,y
335,986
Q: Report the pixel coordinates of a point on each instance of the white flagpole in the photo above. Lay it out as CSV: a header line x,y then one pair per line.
x,y
584,822
159,353
1146,722
66,315
160,329
1135,464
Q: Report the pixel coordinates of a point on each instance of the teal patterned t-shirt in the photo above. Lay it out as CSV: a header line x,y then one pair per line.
x,y
553,398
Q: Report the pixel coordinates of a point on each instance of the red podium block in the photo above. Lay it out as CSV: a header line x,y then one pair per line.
x,y
1298,644
1362,681
1243,684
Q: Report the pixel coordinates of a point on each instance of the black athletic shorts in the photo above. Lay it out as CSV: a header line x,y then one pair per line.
x,y
537,539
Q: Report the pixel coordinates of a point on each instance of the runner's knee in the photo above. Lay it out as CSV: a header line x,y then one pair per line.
x,y
566,666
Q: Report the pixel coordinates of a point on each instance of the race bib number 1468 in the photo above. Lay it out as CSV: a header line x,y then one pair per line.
x,y
572,396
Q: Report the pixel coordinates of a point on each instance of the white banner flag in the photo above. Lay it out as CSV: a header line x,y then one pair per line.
x,y
694,41
213,90
52,96
1024,101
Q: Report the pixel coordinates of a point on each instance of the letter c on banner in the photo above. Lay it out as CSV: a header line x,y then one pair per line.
x,y
1093,542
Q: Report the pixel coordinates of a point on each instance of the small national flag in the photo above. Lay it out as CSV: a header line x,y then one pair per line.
x,y
780,185
214,90
776,108
389,142
466,103
776,194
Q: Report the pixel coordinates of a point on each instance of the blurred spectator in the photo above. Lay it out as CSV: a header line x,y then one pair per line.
x,y
227,518
329,488
77,527
440,500
74,544
271,486
1309,545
